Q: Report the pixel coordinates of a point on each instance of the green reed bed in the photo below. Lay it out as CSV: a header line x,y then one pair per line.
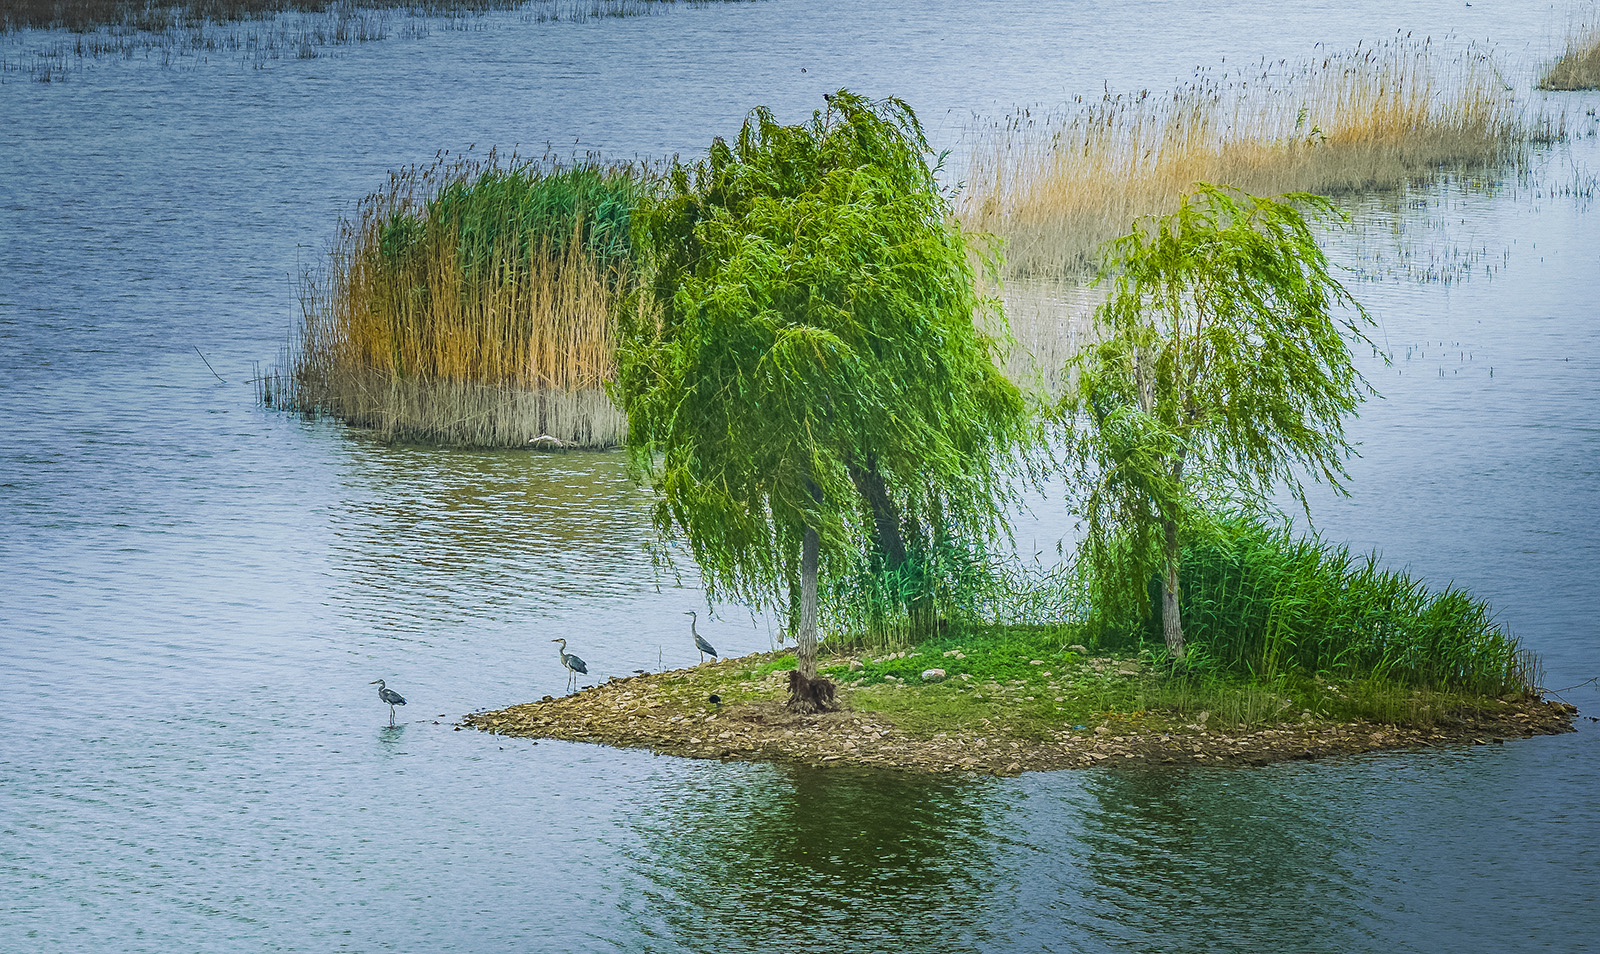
x,y
472,304
1260,601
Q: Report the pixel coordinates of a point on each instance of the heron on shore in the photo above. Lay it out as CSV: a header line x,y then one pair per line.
x,y
390,696
706,649
573,663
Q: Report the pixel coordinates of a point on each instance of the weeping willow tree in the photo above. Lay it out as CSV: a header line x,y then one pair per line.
x,y
803,376
1222,371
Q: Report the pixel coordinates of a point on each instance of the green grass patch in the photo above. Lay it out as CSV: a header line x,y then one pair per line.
x,y
1282,630
1034,681
1029,682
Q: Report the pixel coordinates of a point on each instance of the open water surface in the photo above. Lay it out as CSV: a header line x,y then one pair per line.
x,y
195,593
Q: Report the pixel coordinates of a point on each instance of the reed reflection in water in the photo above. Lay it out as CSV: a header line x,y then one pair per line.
x,y
486,556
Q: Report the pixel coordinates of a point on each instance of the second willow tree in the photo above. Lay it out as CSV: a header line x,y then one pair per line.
x,y
1222,370
803,377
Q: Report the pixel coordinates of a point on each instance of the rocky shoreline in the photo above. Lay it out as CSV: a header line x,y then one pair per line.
x,y
674,713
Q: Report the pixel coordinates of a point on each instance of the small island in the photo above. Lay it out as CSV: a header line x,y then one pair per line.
x,y
969,705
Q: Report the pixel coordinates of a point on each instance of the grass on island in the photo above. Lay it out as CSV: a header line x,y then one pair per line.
x,y
1579,64
1318,654
1025,683
1056,185
472,304
1281,630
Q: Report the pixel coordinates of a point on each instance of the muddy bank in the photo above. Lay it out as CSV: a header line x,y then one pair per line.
x,y
673,713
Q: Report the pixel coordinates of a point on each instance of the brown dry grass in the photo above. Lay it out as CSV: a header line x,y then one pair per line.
x,y
1056,185
1579,64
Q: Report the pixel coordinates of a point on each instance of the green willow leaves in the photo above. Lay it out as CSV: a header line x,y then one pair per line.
x,y
1222,371
803,354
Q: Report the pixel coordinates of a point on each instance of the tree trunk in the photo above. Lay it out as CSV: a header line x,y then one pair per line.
x,y
808,692
1171,621
889,543
806,638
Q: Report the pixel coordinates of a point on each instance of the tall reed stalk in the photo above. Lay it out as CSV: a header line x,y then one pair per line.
x,y
1056,185
472,304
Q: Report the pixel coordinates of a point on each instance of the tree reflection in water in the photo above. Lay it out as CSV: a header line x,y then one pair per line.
x,y
773,858
1195,860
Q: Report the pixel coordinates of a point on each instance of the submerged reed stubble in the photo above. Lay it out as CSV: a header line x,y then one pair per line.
x,y
155,16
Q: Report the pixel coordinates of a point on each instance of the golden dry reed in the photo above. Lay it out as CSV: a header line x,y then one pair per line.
x,y
1056,185
451,313
1579,64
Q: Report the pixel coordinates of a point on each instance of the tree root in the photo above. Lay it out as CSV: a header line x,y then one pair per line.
x,y
811,695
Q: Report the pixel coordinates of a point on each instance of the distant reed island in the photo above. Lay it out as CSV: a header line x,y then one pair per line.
x,y
1056,184
474,303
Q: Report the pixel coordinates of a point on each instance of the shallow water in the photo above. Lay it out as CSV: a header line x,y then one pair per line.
x,y
196,593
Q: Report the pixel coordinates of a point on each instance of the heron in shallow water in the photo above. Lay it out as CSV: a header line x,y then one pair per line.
x,y
388,695
706,649
573,663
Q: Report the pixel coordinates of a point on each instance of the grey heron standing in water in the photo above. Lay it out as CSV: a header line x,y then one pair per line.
x,y
390,696
573,663
706,649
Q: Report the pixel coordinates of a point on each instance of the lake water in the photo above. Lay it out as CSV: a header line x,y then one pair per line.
x,y
195,593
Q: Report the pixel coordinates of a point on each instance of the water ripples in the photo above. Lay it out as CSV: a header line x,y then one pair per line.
x,y
195,593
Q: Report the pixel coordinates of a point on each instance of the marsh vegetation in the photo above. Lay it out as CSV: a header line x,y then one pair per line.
x,y
1578,67
1053,187
471,303
1057,183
